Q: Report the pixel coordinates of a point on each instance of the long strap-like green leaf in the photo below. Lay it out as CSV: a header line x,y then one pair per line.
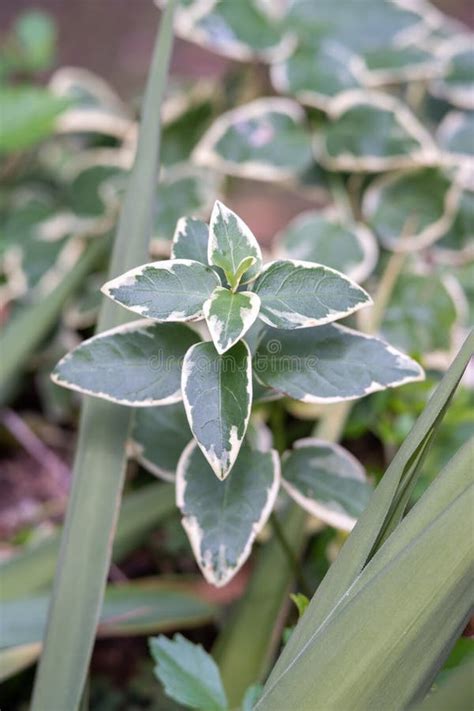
x,y
100,460
383,643
384,511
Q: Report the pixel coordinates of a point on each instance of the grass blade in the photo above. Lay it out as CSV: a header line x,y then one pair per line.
x,y
100,460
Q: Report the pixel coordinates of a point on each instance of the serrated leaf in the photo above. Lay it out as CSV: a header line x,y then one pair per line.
x,y
222,519
158,437
327,481
231,242
323,238
411,209
217,394
330,363
298,294
421,314
189,674
373,132
190,240
171,290
137,364
229,315
263,140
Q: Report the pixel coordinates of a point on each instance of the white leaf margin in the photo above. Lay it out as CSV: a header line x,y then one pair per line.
x,y
140,325
338,519
213,323
374,387
216,464
195,533
461,97
300,321
205,154
430,234
135,449
450,124
221,210
427,154
365,238
129,279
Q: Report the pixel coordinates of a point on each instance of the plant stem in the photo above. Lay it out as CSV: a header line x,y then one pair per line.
x,y
100,460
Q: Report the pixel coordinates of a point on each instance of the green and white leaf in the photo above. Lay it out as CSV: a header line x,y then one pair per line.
x,y
298,294
421,315
188,673
229,315
158,437
457,83
170,290
393,65
266,139
330,363
322,237
315,72
327,481
243,31
372,132
181,191
411,209
136,364
231,244
190,240
217,394
222,519
455,135
88,91
456,246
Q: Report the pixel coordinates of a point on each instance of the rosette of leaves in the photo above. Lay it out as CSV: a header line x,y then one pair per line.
x,y
216,275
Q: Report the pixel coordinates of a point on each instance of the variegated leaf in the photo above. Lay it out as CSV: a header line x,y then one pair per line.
x,y
190,240
298,294
455,135
158,437
217,394
229,315
391,65
171,290
266,139
137,364
456,85
373,132
223,518
327,481
456,246
411,209
231,243
330,363
322,237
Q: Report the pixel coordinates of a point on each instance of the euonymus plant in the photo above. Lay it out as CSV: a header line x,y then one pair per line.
x,y
267,330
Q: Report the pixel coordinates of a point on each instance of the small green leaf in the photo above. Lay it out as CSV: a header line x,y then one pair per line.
x,y
188,673
373,132
264,140
301,602
137,364
36,34
325,239
28,116
222,519
244,265
330,363
327,481
171,290
298,294
230,243
158,437
190,240
217,394
421,315
229,315
411,209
